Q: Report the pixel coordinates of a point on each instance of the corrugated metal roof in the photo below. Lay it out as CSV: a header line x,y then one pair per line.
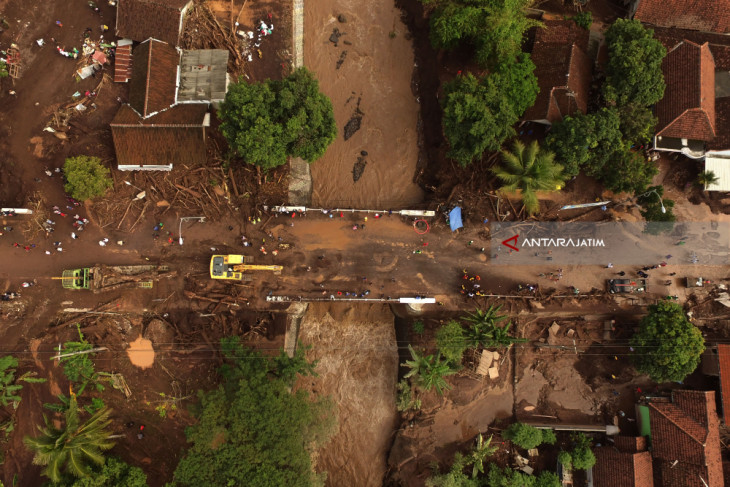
x,y
720,166
203,75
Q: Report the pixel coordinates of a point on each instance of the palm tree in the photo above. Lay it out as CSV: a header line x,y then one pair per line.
x,y
529,170
73,447
707,178
482,450
502,338
428,371
483,325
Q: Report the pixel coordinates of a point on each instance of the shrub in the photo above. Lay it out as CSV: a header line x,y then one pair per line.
x,y
86,177
451,342
524,435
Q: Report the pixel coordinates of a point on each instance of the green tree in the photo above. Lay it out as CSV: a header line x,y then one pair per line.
x,y
529,170
518,82
428,371
114,473
506,477
630,172
589,140
583,19
406,399
455,477
451,342
637,123
482,326
494,27
707,178
266,122
581,457
667,346
481,451
3,69
478,117
75,447
254,429
86,177
656,210
634,68
548,479
10,386
526,436
79,369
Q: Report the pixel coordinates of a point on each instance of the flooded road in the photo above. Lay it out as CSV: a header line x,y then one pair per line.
x,y
364,63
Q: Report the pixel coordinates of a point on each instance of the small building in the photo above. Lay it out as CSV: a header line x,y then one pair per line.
x,y
625,464
686,113
161,19
700,15
563,69
169,94
685,438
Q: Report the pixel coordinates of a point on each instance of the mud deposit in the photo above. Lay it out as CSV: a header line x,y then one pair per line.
x,y
364,65
358,362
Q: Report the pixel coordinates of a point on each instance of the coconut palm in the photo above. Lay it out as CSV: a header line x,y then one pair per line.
x,y
707,178
528,170
428,371
74,447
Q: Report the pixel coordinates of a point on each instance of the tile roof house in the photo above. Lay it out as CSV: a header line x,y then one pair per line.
x,y
701,15
686,440
687,110
158,127
161,19
563,71
694,115
625,464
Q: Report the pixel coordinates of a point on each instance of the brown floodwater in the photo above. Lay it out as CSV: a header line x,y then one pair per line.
x,y
373,83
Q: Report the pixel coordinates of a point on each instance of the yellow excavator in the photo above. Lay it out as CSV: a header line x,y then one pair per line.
x,y
232,267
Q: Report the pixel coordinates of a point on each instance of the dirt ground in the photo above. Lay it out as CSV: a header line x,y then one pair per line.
x,y
367,73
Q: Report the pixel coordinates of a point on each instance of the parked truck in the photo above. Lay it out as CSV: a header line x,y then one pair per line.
x,y
107,278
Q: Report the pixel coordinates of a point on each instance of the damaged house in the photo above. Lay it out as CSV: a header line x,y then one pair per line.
x,y
167,115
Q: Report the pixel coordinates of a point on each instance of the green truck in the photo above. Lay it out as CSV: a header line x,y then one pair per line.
x,y
107,278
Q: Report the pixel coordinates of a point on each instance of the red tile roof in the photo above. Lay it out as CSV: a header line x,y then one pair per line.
x,y
563,71
630,444
719,43
702,15
175,136
123,64
723,358
686,440
687,110
154,77
615,468
141,19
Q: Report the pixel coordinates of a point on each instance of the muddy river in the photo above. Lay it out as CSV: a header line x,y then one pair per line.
x,y
360,54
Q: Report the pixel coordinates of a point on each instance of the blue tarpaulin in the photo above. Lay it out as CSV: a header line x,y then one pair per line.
x,y
455,219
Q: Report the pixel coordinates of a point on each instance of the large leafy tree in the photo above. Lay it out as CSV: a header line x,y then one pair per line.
x,y
253,429
581,457
428,371
266,122
628,172
75,447
656,209
86,177
528,170
585,140
637,123
3,69
494,27
478,117
634,68
667,347
528,437
518,82
114,473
